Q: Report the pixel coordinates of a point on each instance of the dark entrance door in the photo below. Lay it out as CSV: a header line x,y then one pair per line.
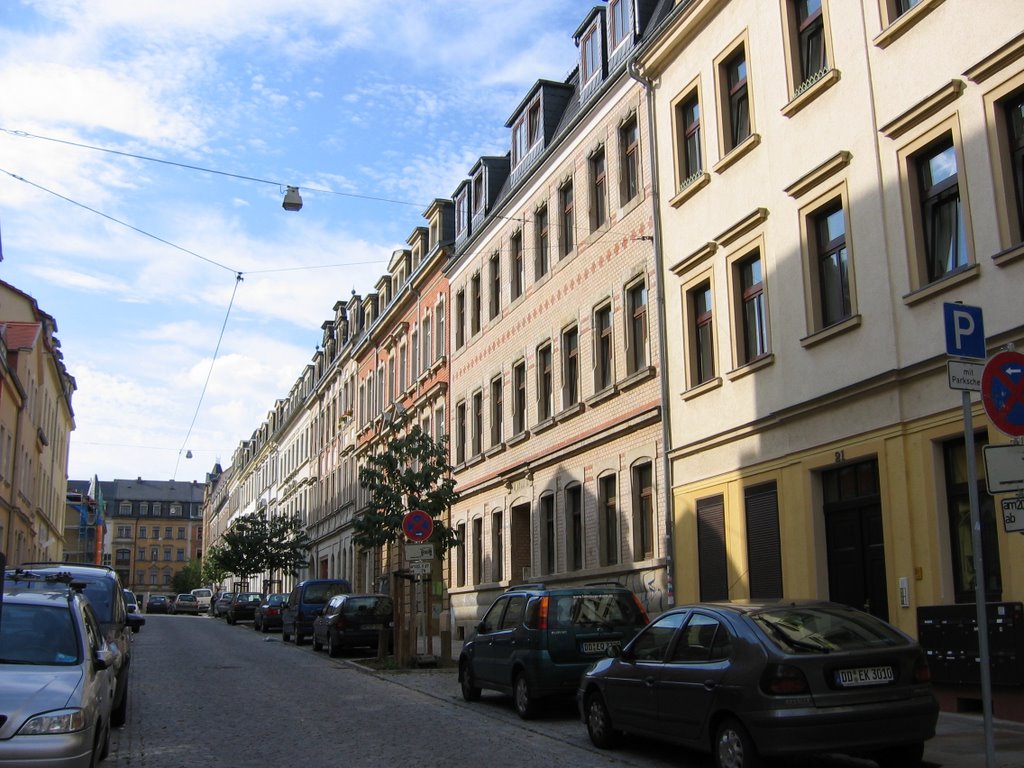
x,y
853,531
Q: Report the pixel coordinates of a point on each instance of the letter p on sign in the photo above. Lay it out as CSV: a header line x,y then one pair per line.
x,y
965,331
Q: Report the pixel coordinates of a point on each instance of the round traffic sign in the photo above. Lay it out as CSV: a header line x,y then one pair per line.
x,y
417,525
1002,392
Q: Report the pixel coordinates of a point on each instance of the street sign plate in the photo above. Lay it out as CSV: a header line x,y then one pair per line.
x,y
1002,392
417,525
965,376
420,568
1004,468
419,551
1013,514
965,331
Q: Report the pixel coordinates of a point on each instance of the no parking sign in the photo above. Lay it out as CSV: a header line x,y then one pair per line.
x,y
1002,392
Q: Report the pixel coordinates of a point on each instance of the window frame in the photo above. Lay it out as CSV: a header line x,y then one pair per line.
x,y
597,164
519,397
548,533
517,268
570,349
692,323
566,219
637,330
604,347
815,254
591,58
497,406
608,519
690,161
575,546
460,319
545,382
620,25
476,416
629,159
643,523
494,266
740,297
729,140
1009,184
542,232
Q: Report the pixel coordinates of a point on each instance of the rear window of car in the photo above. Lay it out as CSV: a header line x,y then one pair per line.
x,y
202,593
321,593
276,599
375,605
593,609
36,634
820,629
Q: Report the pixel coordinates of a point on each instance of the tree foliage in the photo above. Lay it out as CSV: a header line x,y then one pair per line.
x,y
188,578
412,472
255,543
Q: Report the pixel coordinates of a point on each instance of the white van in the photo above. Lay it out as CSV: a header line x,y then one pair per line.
x,y
203,596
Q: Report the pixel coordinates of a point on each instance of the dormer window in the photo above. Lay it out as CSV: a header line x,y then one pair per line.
x,y
462,211
478,193
526,132
590,47
621,13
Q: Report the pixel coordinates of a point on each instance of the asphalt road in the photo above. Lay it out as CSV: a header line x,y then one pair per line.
x,y
207,694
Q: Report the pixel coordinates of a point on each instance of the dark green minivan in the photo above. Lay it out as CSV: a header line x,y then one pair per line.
x,y
536,641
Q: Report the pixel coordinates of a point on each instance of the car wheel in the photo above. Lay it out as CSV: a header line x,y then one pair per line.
x,y
333,649
599,722
317,645
733,747
263,627
119,714
903,756
231,619
522,697
470,692
285,635
255,626
299,639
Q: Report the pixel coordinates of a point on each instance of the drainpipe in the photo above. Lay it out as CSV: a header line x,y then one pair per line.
x,y
666,431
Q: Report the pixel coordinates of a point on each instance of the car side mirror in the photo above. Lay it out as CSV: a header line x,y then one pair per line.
x,y
134,621
103,658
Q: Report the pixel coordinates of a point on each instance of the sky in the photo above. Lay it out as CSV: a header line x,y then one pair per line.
x,y
145,148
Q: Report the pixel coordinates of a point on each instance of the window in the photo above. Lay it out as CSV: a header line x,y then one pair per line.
x,y
519,395
175,510
460,564
620,12
478,423
475,303
590,48
497,411
142,531
497,548
439,338
462,213
643,512
460,319
460,433
702,336
636,338
753,317
1005,108
547,529
598,190
168,533
540,256
495,280
764,548
478,550
712,565
902,6
608,517
526,133
141,553
961,541
156,508
603,362
518,269
181,533
566,219
414,353
478,193
942,220
570,367
143,508
180,555
574,526
807,41
427,351
629,147
831,265
544,383
735,100
690,155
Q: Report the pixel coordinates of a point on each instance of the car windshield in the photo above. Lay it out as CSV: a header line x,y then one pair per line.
x,y
593,610
321,593
276,599
249,597
823,629
37,634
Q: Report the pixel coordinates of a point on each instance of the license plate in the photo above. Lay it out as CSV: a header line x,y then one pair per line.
x,y
598,646
371,626
851,678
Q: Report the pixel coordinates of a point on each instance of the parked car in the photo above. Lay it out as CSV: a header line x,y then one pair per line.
x,y
220,606
536,641
131,604
185,603
774,680
352,621
158,604
105,593
57,674
204,596
243,607
303,601
268,612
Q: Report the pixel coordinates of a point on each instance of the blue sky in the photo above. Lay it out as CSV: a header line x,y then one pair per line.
x,y
388,99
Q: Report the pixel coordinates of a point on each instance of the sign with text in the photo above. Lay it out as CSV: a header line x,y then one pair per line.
x,y
1013,514
964,376
1004,468
419,551
965,331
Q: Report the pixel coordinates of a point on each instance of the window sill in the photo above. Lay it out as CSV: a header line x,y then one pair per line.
x,y
811,92
544,426
687,190
494,450
943,284
754,365
905,22
516,439
701,389
1009,256
836,329
599,397
637,378
569,412
472,461
737,152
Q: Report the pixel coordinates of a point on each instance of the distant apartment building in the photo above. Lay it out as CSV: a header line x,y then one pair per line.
x,y
556,420
36,421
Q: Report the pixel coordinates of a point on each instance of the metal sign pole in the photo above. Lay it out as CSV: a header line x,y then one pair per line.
x,y
979,581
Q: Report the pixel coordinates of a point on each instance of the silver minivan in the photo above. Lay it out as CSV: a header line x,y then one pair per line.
x,y
203,596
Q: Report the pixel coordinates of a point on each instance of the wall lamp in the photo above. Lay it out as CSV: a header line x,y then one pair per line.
x,y
292,200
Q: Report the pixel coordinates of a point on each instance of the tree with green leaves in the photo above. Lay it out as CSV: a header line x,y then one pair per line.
x,y
256,543
188,578
412,472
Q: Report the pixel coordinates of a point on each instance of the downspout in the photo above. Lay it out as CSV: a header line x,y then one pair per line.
x,y
666,431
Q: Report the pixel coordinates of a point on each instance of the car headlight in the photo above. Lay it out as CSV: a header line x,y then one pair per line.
x,y
61,721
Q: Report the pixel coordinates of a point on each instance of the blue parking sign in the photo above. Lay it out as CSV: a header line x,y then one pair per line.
x,y
965,331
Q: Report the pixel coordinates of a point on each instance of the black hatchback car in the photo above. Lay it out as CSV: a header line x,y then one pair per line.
x,y
243,607
105,592
750,680
353,621
536,641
